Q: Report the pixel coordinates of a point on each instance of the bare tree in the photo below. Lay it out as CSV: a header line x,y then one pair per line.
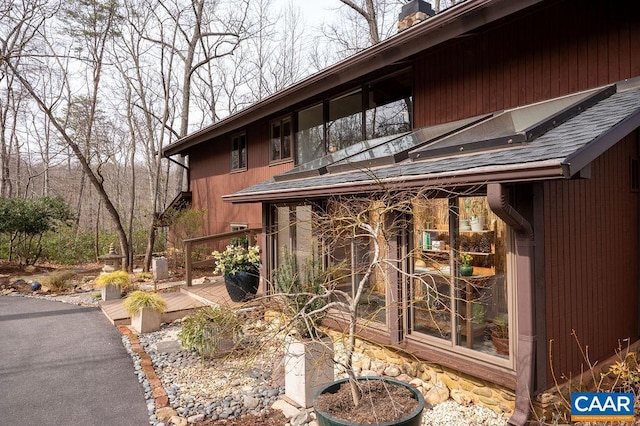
x,y
94,23
196,33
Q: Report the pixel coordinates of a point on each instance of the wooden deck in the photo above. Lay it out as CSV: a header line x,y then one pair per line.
x,y
213,293
179,304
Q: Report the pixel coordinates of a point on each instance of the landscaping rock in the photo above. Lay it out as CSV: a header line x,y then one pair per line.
x,y
300,419
165,414
178,421
287,409
198,418
460,397
438,394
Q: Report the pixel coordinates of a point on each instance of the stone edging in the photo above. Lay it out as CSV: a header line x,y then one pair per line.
x,y
161,400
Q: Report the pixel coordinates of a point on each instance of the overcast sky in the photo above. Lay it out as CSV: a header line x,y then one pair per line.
x,y
314,10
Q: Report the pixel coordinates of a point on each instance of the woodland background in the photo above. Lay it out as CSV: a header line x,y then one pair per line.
x,y
92,90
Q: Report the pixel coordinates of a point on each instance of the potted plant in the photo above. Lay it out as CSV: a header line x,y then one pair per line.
x,y
500,335
308,355
475,207
145,309
240,266
210,331
112,284
466,267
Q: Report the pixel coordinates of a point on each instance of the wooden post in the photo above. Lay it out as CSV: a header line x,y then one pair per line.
x,y
187,262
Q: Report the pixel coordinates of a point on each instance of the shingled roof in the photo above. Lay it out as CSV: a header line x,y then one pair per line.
x,y
561,152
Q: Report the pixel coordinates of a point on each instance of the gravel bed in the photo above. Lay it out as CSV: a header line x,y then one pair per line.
x,y
222,388
85,298
231,387
142,378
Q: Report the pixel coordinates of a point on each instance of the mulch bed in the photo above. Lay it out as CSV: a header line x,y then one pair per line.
x,y
270,418
381,402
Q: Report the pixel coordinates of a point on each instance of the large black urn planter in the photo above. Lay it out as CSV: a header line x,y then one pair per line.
x,y
241,284
413,418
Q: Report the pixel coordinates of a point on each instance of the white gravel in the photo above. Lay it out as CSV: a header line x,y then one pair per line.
x,y
450,413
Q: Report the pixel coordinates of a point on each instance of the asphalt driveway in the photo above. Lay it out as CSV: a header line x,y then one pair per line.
x,y
62,364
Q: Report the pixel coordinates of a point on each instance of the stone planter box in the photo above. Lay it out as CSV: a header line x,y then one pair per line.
x,y
111,292
308,366
146,321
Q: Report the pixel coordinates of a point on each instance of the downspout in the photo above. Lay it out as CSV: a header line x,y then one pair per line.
x,y
525,354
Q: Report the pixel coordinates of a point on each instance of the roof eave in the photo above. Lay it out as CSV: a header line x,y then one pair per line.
x,y
440,28
548,169
577,161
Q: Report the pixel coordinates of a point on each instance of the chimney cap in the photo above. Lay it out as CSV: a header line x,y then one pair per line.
x,y
415,6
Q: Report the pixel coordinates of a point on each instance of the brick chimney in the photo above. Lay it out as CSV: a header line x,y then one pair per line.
x,y
413,12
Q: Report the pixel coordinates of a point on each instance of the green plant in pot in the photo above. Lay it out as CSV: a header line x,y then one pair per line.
x,y
475,207
466,267
113,284
240,266
145,309
211,331
500,334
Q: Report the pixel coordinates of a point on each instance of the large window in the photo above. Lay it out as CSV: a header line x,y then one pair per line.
x,y
440,278
239,152
293,233
344,127
380,108
349,258
310,135
459,294
280,146
389,106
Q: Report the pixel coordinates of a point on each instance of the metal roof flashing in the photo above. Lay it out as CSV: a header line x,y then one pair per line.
x,y
514,126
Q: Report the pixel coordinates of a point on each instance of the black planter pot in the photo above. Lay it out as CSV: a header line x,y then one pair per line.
x,y
241,284
410,419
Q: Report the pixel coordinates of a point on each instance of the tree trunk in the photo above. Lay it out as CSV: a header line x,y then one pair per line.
x,y
95,179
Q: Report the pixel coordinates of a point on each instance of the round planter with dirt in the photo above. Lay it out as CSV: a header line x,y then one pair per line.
x,y
384,402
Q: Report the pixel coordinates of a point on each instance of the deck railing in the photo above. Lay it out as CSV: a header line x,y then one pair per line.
x,y
191,242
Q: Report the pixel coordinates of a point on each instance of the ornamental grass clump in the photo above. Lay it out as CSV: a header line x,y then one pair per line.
x,y
210,331
138,300
236,259
60,280
302,293
120,279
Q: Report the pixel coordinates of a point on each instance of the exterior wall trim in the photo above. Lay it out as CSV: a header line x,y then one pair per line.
x,y
549,169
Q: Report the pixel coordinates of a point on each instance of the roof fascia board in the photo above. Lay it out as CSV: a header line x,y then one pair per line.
x,y
454,22
584,156
540,170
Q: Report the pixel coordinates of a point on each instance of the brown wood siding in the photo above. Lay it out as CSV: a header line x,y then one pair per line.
x,y
211,178
551,51
591,254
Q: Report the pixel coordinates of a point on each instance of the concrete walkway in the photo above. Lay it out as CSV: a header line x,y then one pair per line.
x,y
62,364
